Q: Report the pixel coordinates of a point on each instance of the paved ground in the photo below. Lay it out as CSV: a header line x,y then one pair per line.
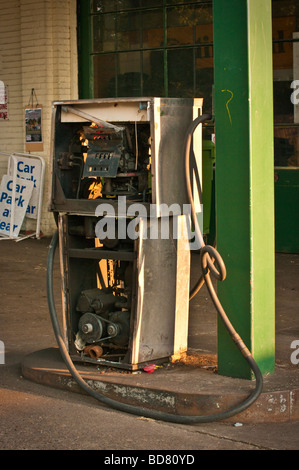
x,y
37,416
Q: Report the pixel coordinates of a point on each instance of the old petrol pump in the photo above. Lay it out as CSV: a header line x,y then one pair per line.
x,y
126,196
125,300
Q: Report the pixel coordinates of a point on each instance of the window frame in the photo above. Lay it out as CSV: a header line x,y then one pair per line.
x,y
86,54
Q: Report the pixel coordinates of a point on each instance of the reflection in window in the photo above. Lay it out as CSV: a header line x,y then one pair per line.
x,y
103,33
152,28
104,67
180,73
128,29
129,79
153,85
286,146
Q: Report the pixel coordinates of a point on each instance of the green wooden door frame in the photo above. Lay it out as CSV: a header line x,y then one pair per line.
x,y
245,180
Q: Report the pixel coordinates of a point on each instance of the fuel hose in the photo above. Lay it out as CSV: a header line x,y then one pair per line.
x,y
210,258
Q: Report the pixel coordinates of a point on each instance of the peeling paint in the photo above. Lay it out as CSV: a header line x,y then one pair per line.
x,y
141,395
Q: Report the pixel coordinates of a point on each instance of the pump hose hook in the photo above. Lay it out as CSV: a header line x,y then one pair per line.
x,y
209,256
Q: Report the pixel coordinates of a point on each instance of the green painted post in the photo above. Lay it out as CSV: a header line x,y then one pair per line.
x,y
245,180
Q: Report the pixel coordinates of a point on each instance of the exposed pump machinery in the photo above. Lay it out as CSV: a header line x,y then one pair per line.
x,y
126,196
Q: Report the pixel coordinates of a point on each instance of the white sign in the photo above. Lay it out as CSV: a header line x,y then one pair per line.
x,y
16,202
28,169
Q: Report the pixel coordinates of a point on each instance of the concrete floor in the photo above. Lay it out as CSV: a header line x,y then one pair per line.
x,y
26,406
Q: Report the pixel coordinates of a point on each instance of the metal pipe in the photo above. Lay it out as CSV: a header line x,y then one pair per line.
x,y
94,351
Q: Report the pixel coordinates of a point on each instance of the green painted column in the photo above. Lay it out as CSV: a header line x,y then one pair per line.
x,y
245,180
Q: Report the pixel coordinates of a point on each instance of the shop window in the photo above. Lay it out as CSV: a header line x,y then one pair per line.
x,y
165,48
